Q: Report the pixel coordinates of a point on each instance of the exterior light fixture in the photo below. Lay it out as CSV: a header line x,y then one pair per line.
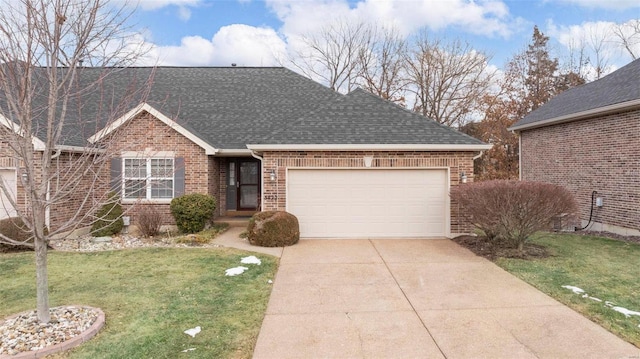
x,y
463,177
25,177
272,175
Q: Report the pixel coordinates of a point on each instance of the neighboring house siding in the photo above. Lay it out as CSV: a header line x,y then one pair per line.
x,y
598,154
275,192
148,134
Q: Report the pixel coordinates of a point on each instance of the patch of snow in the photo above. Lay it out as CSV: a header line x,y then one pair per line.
x,y
574,289
251,260
609,304
189,350
627,313
594,298
193,331
270,281
235,271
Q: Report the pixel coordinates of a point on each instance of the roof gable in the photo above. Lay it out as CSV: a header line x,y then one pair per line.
x,y
614,92
145,107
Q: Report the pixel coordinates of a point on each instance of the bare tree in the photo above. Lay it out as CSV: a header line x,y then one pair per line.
x,y
382,65
448,78
44,105
628,37
333,54
597,41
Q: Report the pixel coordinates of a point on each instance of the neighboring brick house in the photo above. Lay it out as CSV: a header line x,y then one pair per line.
x,y
588,139
269,139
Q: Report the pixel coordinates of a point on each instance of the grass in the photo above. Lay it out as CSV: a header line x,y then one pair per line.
x,y
150,296
606,269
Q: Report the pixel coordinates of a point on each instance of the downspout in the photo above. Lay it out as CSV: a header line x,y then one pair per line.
x,y
256,156
519,156
478,156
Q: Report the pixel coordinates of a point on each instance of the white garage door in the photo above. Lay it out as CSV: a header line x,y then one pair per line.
x,y
368,203
9,178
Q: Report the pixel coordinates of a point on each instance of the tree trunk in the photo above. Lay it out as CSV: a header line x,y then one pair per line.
x,y
42,281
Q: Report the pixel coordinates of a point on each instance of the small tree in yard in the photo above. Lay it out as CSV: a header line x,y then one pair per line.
x,y
513,210
48,108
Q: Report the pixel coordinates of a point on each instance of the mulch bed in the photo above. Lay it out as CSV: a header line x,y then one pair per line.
x,y
493,250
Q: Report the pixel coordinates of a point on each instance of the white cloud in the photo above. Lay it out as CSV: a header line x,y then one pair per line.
x,y
604,4
598,43
490,17
240,44
258,46
184,13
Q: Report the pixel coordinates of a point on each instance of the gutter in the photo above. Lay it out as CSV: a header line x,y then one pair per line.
x,y
368,147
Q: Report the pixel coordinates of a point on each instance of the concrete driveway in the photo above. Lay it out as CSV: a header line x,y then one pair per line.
x,y
417,299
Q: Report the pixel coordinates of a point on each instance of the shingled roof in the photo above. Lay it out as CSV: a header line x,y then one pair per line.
x,y
230,107
614,92
363,118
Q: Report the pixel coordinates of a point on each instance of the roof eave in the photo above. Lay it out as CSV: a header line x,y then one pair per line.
x,y
369,147
622,106
145,107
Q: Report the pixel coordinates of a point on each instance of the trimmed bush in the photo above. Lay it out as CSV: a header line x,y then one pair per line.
x,y
108,218
512,211
193,211
273,229
149,220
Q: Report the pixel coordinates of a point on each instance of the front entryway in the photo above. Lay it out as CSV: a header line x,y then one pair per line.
x,y
8,176
243,184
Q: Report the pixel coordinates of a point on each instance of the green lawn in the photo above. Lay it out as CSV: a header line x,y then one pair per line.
x,y
606,269
150,296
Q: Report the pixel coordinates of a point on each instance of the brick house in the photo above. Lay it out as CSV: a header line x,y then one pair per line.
x,y
587,139
269,139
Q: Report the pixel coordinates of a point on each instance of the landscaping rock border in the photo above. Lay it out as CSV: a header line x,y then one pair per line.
x,y
73,342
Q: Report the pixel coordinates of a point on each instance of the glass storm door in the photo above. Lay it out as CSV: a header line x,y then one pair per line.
x,y
248,184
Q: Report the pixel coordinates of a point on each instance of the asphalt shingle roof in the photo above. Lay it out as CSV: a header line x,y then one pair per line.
x,y
619,86
363,118
230,107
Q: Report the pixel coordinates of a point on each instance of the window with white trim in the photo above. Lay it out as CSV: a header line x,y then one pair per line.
x,y
148,178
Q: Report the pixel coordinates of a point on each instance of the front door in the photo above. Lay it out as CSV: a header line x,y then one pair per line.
x,y
243,184
248,184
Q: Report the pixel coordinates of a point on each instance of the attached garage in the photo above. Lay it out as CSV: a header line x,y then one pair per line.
x,y
8,176
369,202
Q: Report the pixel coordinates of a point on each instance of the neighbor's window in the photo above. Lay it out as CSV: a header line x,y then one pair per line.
x,y
148,178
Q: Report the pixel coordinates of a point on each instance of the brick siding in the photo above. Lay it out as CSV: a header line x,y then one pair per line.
x,y
145,133
275,192
598,154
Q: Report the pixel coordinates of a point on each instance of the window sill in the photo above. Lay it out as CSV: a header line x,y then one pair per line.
x,y
146,201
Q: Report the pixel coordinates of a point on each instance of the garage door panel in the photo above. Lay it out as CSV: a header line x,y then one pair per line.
x,y
369,202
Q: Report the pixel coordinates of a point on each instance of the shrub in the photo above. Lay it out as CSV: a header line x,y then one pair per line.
x,y
192,211
149,220
273,229
108,218
513,210
15,229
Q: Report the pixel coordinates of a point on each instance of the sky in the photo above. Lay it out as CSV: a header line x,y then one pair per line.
x,y
264,32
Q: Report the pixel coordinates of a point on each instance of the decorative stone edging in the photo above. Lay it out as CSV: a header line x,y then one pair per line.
x,y
69,344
